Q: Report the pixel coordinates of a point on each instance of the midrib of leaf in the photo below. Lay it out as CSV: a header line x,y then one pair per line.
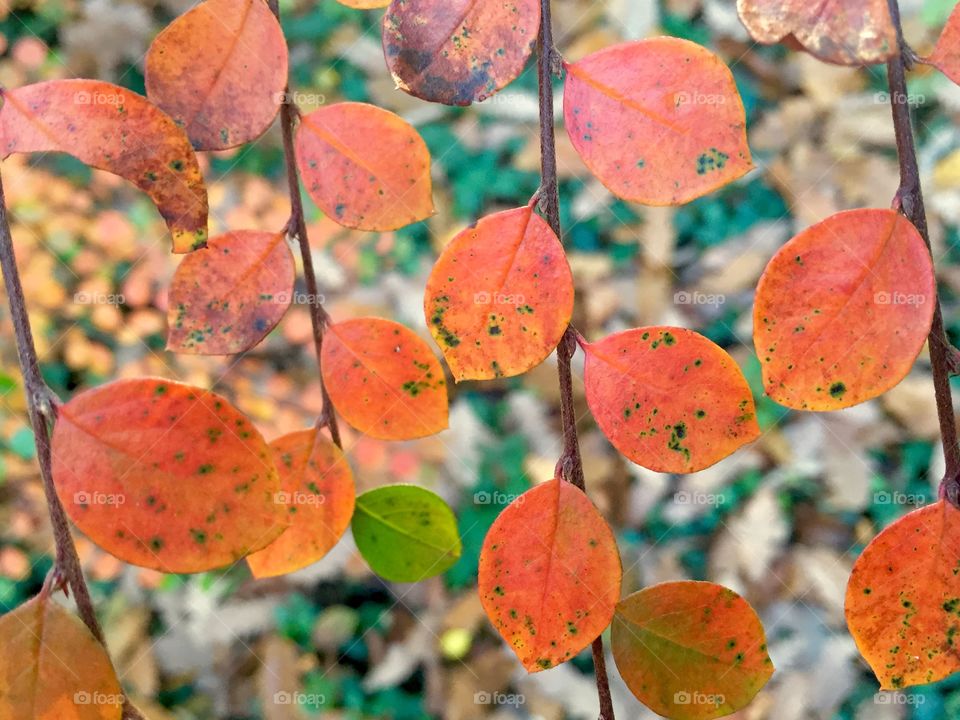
x,y
644,630
381,518
552,546
444,39
337,144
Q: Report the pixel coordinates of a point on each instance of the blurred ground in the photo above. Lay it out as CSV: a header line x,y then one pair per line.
x,y
781,521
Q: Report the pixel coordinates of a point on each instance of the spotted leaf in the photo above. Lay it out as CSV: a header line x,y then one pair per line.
x,y
549,574
658,121
384,379
406,533
225,298
668,398
500,296
458,51
317,491
903,598
844,32
111,128
843,309
690,650
219,70
165,475
364,4
365,167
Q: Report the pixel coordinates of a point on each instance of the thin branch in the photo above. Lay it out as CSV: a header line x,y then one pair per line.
x,y
297,225
909,201
570,465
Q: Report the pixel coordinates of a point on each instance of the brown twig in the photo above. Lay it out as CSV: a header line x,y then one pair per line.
x,y
297,225
570,465
909,201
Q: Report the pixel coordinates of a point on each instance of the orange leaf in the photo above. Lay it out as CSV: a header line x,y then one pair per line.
x,y
690,650
458,51
365,167
226,298
111,128
843,309
52,668
549,574
668,398
364,4
500,296
318,493
844,32
220,70
903,598
658,121
946,53
384,379
165,475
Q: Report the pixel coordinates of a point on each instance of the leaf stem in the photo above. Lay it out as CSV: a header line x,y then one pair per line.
x,y
297,225
570,465
909,202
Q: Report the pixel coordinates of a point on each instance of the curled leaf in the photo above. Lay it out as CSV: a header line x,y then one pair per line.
x,y
406,533
53,668
549,574
111,128
903,598
843,310
668,398
365,167
165,475
844,32
500,296
658,121
690,650
384,379
317,492
458,51
219,70
225,298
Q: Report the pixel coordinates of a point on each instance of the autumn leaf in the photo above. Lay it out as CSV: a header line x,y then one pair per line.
x,y
225,298
317,491
946,53
111,128
365,167
844,32
843,310
457,52
405,533
219,70
165,475
549,574
658,121
690,650
668,398
500,296
364,4
53,668
383,379
903,598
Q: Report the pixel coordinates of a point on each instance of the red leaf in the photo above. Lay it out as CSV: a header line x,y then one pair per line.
x,y
226,298
220,70
165,475
317,492
946,53
111,128
500,296
458,51
549,574
658,121
384,379
53,668
845,32
843,309
690,650
903,598
365,167
668,398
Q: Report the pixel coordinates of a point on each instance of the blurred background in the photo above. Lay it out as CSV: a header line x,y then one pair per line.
x,y
780,521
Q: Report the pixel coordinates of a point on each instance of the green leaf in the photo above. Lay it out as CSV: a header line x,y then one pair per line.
x,y
405,533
